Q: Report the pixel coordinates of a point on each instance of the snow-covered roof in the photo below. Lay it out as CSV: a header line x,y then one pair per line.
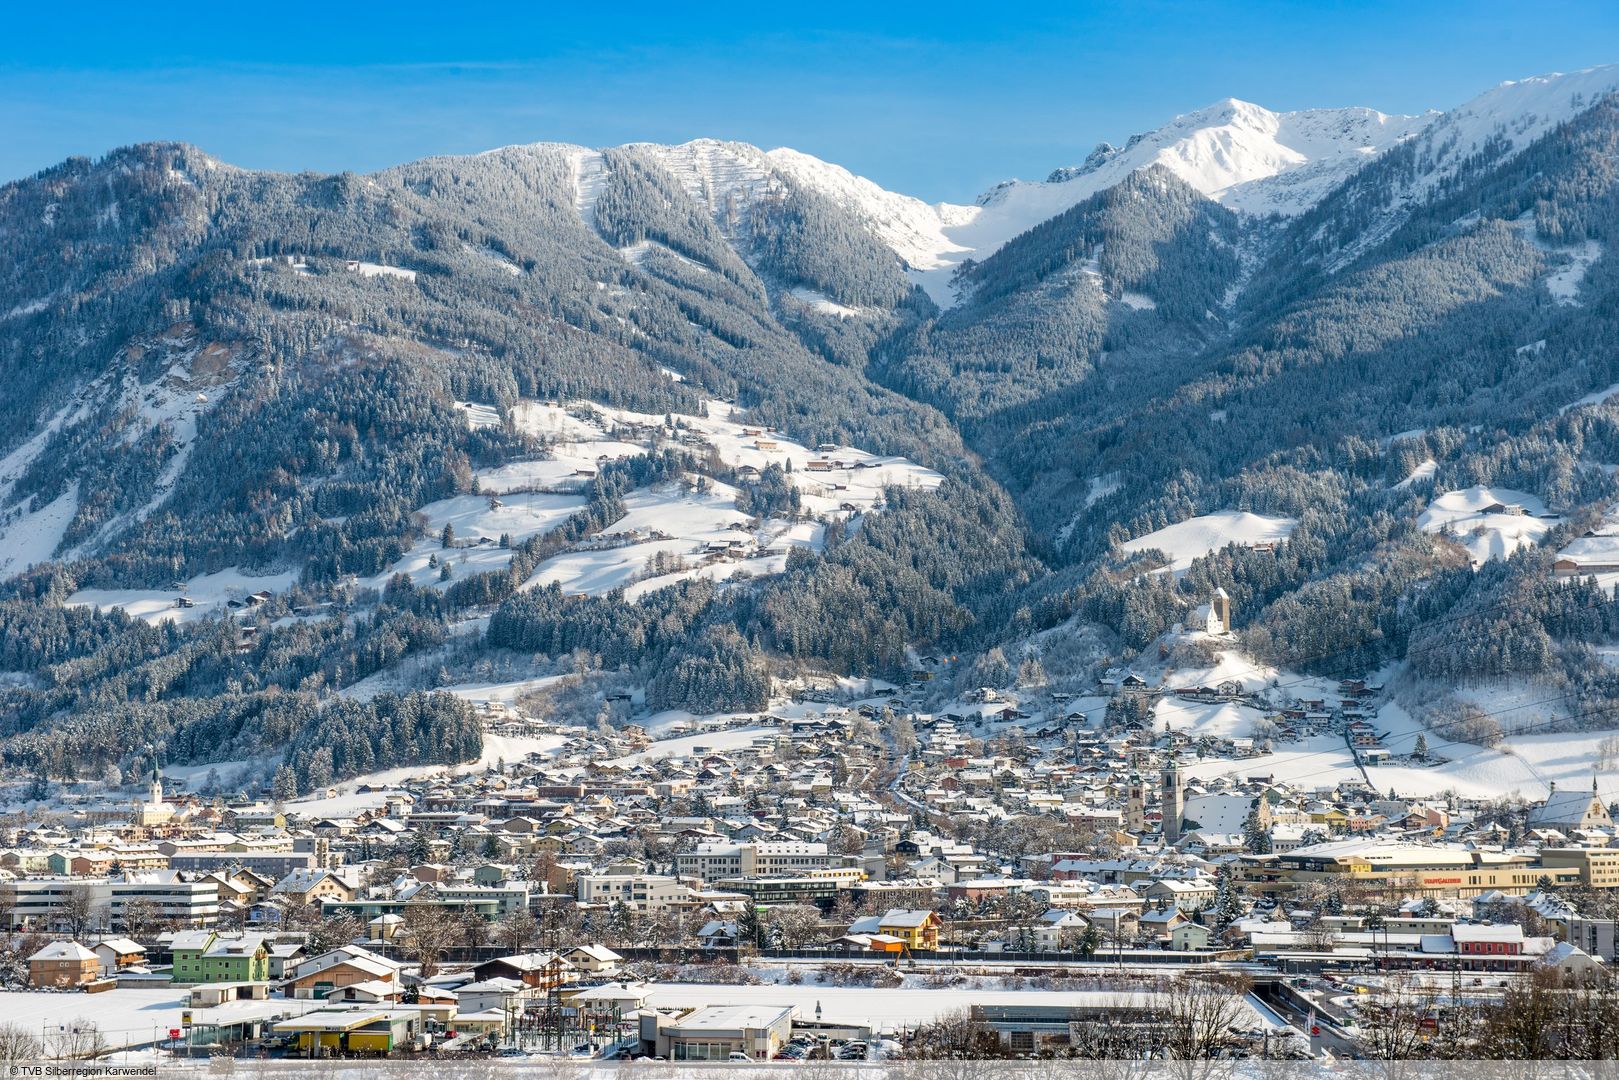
x,y
63,950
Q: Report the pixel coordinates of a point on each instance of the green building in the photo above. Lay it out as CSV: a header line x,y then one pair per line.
x,y
203,956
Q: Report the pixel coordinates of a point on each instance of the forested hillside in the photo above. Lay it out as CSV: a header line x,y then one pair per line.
x,y
213,371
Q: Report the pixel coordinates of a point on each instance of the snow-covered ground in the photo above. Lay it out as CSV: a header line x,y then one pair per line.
x,y
1318,761
687,745
1189,540
208,592
825,305
675,531
1564,282
504,693
1601,548
31,536
886,1010
479,521
589,178
349,800
125,1017
371,269
1420,473
1491,523
1220,720
193,381
1595,397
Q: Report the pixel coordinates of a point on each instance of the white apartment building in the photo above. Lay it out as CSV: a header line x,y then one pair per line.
x,y
641,892
165,898
763,858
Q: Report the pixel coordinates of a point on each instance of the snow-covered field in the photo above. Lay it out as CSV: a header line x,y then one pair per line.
x,y
209,592
504,693
1220,720
371,269
1564,283
675,531
478,521
1422,472
1318,761
1491,523
1601,548
687,745
825,305
125,1017
1188,540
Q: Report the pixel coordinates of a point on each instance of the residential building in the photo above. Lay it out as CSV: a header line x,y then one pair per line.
x,y
116,953
348,965
204,956
641,892
765,858
63,965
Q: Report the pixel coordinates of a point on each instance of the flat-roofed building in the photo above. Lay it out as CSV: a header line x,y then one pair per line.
x,y
715,1032
163,896
641,892
1402,868
1598,867
764,858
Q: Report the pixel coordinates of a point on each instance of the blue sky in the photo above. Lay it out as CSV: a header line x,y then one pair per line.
x,y
939,100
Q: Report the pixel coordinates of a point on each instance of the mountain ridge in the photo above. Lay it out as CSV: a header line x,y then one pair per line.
x,y
219,375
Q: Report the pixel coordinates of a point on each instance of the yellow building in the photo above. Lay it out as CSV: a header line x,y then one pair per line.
x,y
1401,869
1598,867
353,1031
919,929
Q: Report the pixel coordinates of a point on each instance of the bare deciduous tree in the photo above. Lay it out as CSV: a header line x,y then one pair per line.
x,y
517,930
797,924
78,1039
17,1044
1199,1014
1398,1015
428,931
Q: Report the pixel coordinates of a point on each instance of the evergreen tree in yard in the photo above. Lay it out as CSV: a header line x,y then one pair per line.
x,y
749,927
1089,941
621,922
417,849
1227,903
1255,837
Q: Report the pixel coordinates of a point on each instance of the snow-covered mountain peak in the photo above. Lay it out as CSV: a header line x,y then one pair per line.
x,y
728,175
913,228
1251,159
1237,153
1516,112
1492,128
1243,155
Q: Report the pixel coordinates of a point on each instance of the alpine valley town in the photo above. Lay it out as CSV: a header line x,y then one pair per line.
x,y
643,602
